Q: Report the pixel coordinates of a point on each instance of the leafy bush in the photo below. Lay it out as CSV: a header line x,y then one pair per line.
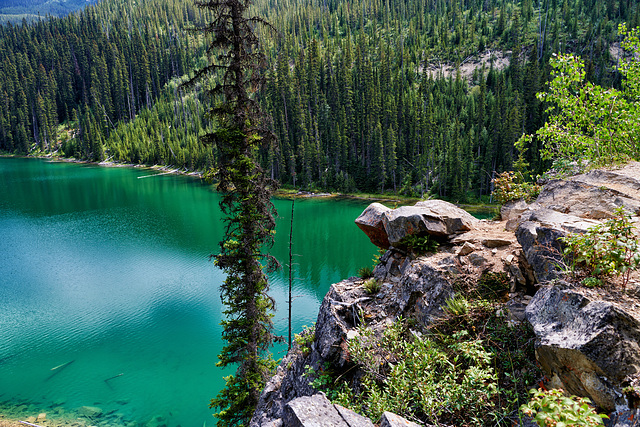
x,y
305,338
551,408
510,186
590,123
608,249
421,378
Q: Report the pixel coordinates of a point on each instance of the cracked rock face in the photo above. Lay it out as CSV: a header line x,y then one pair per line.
x,y
587,347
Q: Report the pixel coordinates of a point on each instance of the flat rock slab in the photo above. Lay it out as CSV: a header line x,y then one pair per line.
x,y
318,411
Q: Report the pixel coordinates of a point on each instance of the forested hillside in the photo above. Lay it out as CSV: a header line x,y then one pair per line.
x,y
357,94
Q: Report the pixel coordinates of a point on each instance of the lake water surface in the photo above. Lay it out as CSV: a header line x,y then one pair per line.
x,y
105,275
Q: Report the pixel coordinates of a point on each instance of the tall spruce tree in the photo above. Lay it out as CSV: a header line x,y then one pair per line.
x,y
236,62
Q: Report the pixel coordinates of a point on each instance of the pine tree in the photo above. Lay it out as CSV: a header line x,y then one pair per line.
x,y
246,192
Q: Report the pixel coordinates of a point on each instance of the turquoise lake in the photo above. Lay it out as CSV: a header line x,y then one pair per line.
x,y
105,275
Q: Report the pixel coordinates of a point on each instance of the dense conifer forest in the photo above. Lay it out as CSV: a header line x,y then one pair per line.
x,y
364,95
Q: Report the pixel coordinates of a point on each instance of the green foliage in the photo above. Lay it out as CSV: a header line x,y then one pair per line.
x,y
371,286
419,244
510,186
415,376
457,305
590,122
551,408
305,338
365,272
608,249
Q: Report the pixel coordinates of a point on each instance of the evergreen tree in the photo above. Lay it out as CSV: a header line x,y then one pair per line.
x,y
246,192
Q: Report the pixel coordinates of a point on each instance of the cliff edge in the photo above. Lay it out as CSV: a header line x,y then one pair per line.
x,y
586,340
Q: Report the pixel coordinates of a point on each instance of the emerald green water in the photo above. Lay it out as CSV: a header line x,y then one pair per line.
x,y
108,273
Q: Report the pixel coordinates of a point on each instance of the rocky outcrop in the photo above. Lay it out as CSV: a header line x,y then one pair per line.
x,y
588,341
388,227
410,287
570,206
586,346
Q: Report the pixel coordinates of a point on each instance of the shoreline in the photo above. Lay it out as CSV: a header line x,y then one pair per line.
x,y
281,193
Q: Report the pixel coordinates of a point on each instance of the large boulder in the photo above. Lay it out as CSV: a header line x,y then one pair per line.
x,y
434,217
585,345
387,227
371,222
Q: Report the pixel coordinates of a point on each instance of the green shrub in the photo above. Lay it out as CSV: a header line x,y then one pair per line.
x,y
608,249
510,186
305,338
550,408
365,272
421,378
457,306
419,245
372,286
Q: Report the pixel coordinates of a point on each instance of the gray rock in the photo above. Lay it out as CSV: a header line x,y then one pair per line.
x,y
624,419
466,249
495,242
318,411
553,219
587,347
583,199
513,209
370,221
338,313
390,419
392,263
516,311
353,419
312,411
424,288
542,249
433,217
